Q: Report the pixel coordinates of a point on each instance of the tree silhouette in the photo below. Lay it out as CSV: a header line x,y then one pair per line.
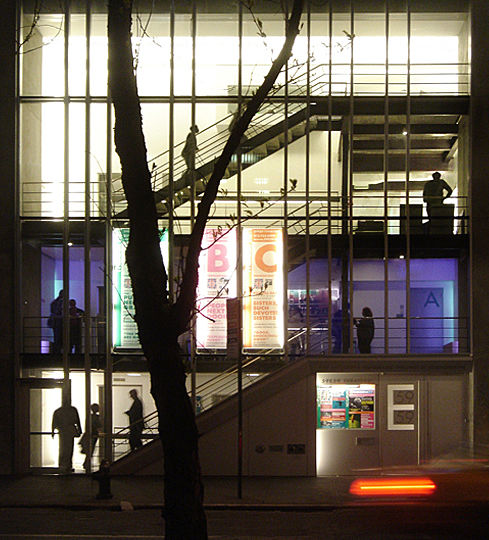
x,y
159,319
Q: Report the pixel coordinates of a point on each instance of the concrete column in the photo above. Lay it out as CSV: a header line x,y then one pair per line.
x,y
479,118
7,230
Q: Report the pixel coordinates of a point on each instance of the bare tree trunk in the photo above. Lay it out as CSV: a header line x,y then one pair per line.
x,y
159,321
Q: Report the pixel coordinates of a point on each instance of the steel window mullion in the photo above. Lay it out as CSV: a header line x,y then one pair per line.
x,y
86,234
307,173
330,113
349,300
193,104
408,159
285,217
66,201
193,380
171,156
239,262
107,441
386,183
18,285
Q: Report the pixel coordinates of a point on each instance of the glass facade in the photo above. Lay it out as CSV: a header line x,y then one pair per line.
x,y
371,104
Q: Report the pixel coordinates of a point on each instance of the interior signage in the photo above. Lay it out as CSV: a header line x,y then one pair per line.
x,y
263,296
124,328
401,414
217,282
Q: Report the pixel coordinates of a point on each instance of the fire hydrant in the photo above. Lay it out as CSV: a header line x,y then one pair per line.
x,y
102,476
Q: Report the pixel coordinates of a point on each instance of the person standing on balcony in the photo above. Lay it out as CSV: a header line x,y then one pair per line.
x,y
365,330
55,322
340,331
190,148
136,422
76,315
433,193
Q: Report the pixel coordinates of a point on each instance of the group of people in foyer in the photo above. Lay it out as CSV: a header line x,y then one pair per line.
x,y
66,423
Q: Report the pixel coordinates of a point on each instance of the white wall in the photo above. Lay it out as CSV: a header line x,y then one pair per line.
x,y
271,168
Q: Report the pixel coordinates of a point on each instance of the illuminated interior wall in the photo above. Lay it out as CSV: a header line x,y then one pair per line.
x,y
368,291
52,277
438,51
437,45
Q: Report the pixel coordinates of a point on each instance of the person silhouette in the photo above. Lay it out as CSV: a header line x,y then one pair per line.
x,y
55,321
67,422
365,330
75,326
136,422
87,447
190,148
340,328
433,193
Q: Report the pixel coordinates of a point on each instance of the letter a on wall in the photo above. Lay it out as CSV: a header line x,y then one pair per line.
x,y
431,300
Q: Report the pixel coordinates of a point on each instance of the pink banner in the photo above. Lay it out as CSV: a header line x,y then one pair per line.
x,y
217,282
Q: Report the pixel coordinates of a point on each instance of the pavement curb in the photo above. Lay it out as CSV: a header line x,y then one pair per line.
x,y
117,507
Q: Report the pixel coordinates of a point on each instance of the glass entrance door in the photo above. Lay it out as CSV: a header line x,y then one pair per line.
x,y
43,448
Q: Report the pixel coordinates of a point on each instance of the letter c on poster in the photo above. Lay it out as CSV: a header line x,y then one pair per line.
x,y
260,258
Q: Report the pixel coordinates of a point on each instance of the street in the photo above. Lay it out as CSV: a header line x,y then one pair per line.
x,y
377,522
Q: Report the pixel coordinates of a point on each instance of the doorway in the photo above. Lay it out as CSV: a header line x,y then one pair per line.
x,y
37,400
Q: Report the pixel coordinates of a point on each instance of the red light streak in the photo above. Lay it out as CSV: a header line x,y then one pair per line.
x,y
400,486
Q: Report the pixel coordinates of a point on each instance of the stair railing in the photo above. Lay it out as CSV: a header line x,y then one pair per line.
x,y
224,385
211,144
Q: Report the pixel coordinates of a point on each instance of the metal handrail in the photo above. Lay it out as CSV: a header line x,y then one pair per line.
x,y
269,114
225,381
151,418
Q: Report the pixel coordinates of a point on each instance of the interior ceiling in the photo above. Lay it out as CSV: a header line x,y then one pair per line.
x,y
414,119
365,24
76,253
418,7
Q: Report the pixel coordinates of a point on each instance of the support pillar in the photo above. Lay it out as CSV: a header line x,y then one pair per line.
x,y
479,131
8,235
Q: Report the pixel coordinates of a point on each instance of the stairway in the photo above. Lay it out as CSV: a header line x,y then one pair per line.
x,y
264,136
149,458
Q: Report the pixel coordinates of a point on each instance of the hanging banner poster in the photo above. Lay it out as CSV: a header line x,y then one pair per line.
x,y
263,312
217,282
124,328
345,406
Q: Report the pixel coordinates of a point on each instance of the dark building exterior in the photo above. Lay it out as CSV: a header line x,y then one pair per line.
x,y
325,207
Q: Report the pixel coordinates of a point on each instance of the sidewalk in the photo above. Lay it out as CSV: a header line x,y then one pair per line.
x,y
80,491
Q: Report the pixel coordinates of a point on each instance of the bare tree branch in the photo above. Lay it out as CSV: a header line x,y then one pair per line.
x,y
186,299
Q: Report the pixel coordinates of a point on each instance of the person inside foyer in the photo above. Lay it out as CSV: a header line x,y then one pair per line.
x,y
66,422
136,422
88,446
